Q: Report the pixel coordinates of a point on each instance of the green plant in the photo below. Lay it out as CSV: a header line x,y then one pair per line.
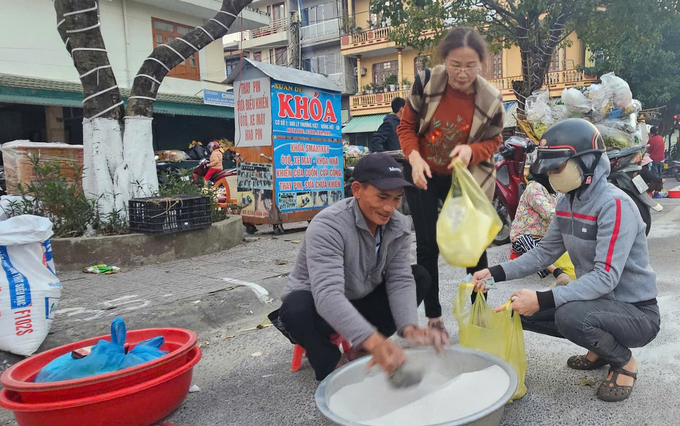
x,y
391,79
59,197
179,182
406,82
367,88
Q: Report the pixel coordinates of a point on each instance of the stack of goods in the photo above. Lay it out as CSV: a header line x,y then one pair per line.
x,y
609,105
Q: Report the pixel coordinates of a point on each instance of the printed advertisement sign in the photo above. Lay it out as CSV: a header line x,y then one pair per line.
x,y
309,174
217,98
305,111
254,186
253,113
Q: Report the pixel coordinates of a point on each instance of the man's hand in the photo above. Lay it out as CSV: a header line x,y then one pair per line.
x,y
463,153
478,277
426,337
525,303
387,354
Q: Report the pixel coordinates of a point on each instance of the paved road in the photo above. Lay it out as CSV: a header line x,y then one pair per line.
x,y
240,389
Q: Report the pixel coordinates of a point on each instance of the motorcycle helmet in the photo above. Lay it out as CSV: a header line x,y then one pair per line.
x,y
566,140
213,146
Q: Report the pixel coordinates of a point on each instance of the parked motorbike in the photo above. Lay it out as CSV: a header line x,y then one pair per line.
x,y
625,168
510,183
673,170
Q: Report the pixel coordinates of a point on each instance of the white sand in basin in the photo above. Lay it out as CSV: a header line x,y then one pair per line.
x,y
374,402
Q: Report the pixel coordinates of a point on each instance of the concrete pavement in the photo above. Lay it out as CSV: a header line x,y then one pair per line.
x,y
241,387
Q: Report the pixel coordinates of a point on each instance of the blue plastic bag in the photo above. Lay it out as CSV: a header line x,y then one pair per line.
x,y
105,357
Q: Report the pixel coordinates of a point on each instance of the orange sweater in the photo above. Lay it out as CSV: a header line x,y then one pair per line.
x,y
449,127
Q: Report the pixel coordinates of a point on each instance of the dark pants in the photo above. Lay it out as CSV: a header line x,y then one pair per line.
x,y
304,325
605,327
657,168
424,207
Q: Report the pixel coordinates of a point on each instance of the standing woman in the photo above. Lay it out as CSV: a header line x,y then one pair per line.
x,y
451,111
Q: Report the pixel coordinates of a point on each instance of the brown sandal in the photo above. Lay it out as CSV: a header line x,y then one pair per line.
x,y
610,391
580,362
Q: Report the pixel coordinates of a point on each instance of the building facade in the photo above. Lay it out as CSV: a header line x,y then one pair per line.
x,y
304,35
40,91
377,58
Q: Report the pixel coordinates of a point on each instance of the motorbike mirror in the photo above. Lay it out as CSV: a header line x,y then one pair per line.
x,y
531,147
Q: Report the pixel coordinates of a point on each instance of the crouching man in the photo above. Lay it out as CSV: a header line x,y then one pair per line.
x,y
353,276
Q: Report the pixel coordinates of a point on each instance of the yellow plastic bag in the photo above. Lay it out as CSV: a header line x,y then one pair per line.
x,y
498,333
468,223
564,262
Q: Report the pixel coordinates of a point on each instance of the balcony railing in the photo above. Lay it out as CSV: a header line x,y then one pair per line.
x,y
275,26
322,29
555,78
376,100
365,38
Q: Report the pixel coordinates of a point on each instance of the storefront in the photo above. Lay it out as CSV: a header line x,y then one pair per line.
x,y
50,111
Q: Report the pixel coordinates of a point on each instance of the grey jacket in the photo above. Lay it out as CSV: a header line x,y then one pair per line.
x,y
605,236
337,262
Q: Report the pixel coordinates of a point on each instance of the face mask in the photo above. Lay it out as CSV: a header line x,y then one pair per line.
x,y
568,179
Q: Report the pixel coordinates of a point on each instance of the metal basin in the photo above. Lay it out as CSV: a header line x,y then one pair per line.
x,y
454,362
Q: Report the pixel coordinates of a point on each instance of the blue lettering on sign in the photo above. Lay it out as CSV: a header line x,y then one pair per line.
x,y
19,289
47,249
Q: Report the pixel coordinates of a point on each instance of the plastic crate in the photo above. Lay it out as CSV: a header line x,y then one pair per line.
x,y
165,215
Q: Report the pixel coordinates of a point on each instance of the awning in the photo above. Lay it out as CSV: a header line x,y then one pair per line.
x,y
510,114
25,90
364,124
192,109
15,95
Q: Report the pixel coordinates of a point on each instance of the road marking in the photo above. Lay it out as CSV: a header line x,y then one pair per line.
x,y
259,291
109,305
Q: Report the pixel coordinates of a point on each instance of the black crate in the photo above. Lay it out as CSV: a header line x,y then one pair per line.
x,y
165,215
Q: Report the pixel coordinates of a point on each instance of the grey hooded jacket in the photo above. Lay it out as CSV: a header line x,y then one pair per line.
x,y
603,232
337,262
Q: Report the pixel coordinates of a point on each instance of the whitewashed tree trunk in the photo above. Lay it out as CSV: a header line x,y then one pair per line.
x,y
138,157
102,163
118,155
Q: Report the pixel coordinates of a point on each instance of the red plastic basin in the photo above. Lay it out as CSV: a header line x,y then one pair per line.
x,y
139,405
673,193
19,377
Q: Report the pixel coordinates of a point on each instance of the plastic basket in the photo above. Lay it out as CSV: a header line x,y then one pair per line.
x,y
165,215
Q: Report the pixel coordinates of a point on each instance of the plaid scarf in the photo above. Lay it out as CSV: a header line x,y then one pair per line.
x,y
487,123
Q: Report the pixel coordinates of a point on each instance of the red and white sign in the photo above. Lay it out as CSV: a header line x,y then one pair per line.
x,y
253,113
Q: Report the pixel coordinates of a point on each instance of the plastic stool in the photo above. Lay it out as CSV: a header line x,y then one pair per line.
x,y
298,352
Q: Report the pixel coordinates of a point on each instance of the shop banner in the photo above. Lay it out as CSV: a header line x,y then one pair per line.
x,y
254,186
216,98
309,174
305,111
253,113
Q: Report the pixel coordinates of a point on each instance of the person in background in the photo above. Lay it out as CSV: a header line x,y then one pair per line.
x,y
451,112
535,212
353,276
385,138
215,162
656,150
654,182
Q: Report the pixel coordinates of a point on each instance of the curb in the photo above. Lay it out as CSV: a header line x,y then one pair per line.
x,y
140,249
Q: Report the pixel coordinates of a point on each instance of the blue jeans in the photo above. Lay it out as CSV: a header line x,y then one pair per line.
x,y
606,327
657,168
